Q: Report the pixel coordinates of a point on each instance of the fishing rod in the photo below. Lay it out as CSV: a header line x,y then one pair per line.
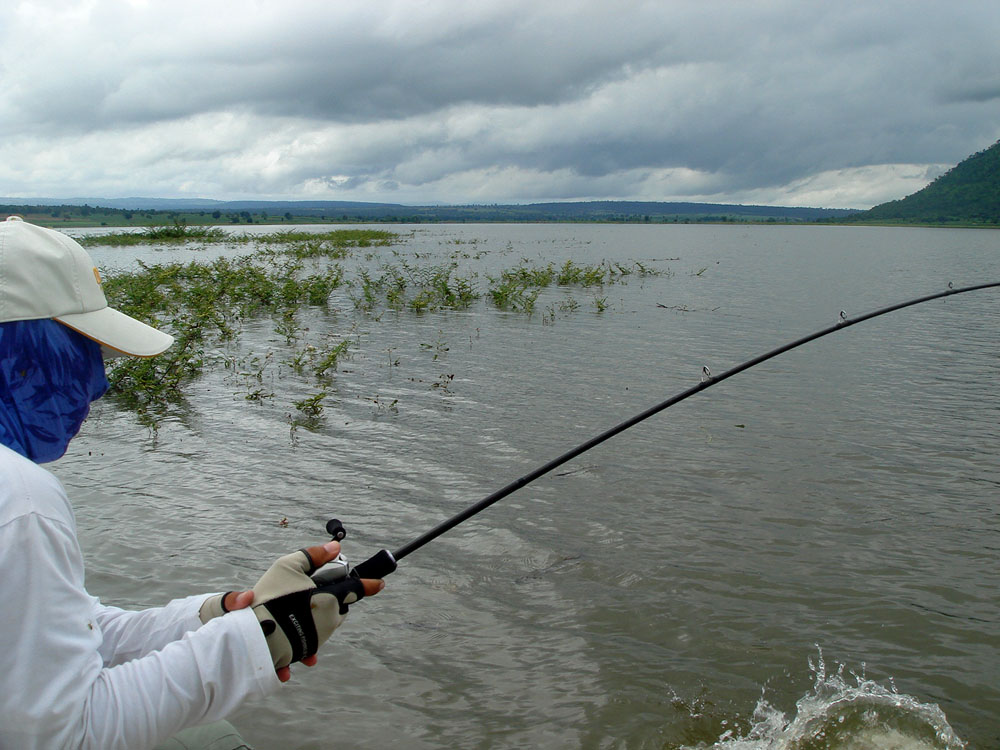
x,y
384,562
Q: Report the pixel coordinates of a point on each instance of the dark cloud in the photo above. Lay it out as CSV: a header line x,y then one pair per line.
x,y
526,97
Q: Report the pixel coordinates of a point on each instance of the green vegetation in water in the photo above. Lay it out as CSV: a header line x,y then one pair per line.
x,y
176,232
337,237
304,244
417,288
205,305
202,304
311,407
517,289
309,411
328,359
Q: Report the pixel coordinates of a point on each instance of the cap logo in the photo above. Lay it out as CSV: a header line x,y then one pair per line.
x,y
97,275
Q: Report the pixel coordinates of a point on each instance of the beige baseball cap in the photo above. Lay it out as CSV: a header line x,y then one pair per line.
x,y
45,274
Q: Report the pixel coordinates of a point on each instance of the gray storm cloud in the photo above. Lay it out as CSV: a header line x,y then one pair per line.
x,y
778,102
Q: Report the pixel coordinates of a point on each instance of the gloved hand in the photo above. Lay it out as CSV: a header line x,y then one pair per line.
x,y
295,615
214,606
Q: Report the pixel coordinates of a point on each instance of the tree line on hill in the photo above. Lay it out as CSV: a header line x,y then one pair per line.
x,y
967,194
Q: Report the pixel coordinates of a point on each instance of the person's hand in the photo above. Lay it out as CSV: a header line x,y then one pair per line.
x,y
296,617
242,599
235,600
218,604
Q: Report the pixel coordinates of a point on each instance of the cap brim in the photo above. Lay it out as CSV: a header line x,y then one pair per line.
x,y
119,332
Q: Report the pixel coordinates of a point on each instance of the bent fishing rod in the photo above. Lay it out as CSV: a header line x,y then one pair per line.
x,y
384,562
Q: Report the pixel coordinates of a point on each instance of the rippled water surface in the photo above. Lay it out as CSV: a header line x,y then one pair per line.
x,y
804,556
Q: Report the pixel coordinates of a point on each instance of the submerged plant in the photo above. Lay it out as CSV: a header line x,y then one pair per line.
x,y
205,305
311,407
513,295
305,244
329,360
200,303
319,243
573,274
382,407
419,288
175,232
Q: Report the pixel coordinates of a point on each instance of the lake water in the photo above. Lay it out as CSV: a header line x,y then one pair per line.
x,y
804,556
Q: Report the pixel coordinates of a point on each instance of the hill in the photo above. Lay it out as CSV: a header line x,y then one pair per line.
x,y
968,193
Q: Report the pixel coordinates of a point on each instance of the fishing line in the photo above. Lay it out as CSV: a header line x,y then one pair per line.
x,y
384,561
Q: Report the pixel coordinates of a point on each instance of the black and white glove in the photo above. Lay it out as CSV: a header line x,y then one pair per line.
x,y
296,615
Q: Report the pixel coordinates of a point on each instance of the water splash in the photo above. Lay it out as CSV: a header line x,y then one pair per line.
x,y
840,713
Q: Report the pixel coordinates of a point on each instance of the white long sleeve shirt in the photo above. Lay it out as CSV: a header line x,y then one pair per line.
x,y
77,674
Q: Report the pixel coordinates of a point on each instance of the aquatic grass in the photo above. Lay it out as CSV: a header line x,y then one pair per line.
x,y
305,244
517,289
310,412
439,348
302,358
253,369
440,288
528,276
512,295
337,238
204,302
395,284
258,394
205,305
222,289
336,244
643,270
312,406
180,232
328,360
146,386
381,407
287,325
369,287
417,288
317,249
176,232
572,274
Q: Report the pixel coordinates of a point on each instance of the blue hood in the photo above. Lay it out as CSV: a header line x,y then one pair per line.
x,y
49,374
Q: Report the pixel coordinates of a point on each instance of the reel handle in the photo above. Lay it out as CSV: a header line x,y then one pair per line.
x,y
336,529
379,565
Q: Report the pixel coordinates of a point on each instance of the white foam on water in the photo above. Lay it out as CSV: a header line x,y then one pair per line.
x,y
846,713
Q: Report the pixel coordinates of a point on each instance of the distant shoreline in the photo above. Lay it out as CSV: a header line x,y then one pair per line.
x,y
86,217
388,223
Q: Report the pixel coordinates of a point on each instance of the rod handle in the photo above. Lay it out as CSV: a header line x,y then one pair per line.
x,y
379,565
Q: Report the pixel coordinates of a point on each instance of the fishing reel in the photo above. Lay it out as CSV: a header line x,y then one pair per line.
x,y
338,568
378,566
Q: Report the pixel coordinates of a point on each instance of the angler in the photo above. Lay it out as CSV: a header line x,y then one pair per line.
x,y
78,673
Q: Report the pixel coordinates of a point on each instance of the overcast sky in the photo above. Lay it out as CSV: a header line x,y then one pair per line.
x,y
784,102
